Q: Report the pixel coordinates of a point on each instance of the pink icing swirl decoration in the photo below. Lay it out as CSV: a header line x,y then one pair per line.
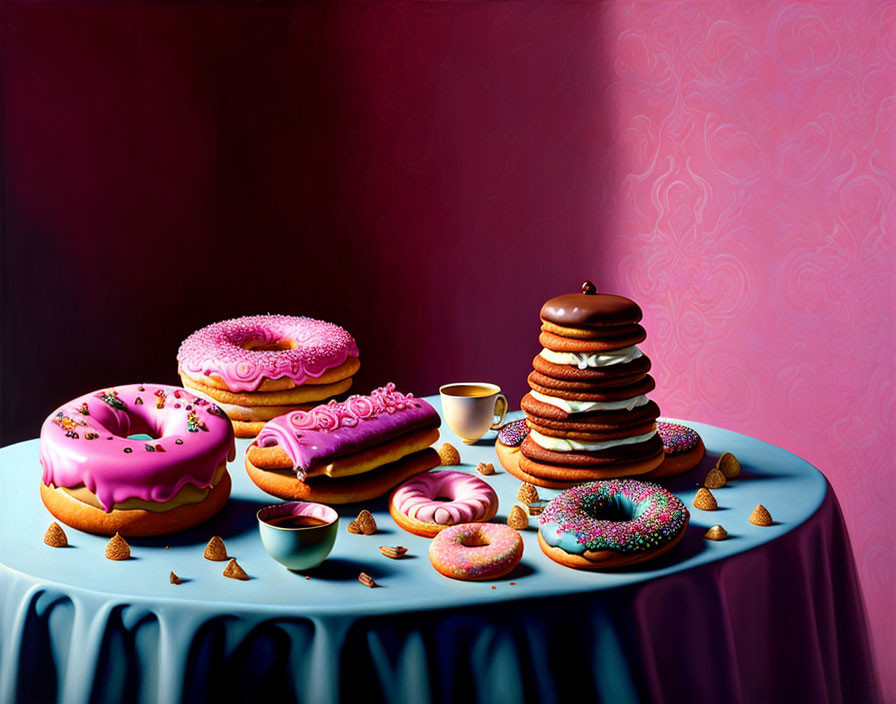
x,y
347,414
238,350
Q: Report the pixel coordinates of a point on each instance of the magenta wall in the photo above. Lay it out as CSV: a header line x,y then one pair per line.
x,y
428,173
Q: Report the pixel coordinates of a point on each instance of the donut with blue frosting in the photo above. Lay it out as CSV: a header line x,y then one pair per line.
x,y
611,523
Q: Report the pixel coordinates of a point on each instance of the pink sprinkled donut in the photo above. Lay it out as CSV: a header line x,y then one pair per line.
x,y
429,503
476,551
683,449
98,478
243,352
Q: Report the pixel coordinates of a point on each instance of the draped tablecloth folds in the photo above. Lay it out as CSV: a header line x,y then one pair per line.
x,y
771,614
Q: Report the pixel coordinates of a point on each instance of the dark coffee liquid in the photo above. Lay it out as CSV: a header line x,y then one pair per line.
x,y
296,521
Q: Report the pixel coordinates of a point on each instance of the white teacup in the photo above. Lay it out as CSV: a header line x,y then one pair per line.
x,y
470,408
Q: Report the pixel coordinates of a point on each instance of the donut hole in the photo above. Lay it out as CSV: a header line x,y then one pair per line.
x,y
268,345
616,508
137,423
442,498
474,540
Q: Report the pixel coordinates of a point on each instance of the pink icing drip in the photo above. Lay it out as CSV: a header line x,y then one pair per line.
x,y
471,498
113,474
217,350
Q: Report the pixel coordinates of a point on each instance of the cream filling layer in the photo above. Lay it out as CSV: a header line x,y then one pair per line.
x,y
584,360
565,445
189,494
586,406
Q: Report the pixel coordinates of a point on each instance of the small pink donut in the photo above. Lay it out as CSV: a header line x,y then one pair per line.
x,y
416,505
234,350
476,551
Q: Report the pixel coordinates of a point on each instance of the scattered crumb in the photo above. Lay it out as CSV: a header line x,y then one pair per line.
x,y
527,494
705,501
364,523
449,454
729,465
215,550
55,537
367,580
517,519
117,548
174,579
716,533
234,571
715,479
761,516
485,468
393,552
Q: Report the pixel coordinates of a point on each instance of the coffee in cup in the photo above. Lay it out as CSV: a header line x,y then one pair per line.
x,y
470,408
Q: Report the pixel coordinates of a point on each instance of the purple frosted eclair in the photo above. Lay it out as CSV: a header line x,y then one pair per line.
x,y
345,452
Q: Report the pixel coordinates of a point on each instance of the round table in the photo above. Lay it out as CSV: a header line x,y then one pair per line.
x,y
770,614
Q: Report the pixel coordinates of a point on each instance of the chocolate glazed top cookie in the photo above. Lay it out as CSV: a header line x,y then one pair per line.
x,y
590,309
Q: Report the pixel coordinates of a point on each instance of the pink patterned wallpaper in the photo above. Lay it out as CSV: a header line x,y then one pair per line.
x,y
754,208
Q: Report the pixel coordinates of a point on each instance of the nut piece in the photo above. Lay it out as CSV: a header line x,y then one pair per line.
x,y
485,468
234,571
517,519
761,516
449,454
729,465
716,533
715,479
527,494
705,501
394,552
174,579
215,550
367,580
55,536
117,548
364,523
536,507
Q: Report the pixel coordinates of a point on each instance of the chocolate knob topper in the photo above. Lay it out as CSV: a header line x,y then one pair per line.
x,y
590,309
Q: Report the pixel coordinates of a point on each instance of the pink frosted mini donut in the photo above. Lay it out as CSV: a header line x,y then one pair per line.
x,y
99,479
476,551
429,503
243,352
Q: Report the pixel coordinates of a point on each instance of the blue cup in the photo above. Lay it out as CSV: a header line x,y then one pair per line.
x,y
297,546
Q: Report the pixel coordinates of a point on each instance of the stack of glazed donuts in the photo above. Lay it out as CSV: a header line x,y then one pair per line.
x,y
587,413
256,368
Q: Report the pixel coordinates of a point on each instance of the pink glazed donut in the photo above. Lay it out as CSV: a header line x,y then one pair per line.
x,y
98,479
249,353
429,503
476,551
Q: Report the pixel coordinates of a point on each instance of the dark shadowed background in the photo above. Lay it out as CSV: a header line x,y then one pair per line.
x,y
409,173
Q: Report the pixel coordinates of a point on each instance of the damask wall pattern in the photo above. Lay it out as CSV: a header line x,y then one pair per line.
x,y
754,212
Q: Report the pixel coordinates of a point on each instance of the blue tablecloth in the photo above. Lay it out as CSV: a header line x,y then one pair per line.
x,y
771,614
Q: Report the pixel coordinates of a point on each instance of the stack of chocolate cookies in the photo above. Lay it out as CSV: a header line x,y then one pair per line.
x,y
587,412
